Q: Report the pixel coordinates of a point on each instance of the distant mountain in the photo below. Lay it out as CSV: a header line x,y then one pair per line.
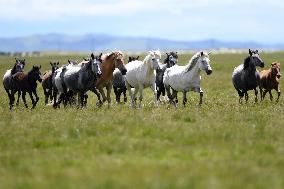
x,y
96,42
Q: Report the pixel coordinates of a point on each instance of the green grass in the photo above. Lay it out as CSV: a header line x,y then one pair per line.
x,y
219,145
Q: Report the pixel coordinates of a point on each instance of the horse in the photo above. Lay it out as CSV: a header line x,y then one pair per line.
x,y
171,60
58,85
18,67
26,83
141,74
245,77
119,82
80,78
187,78
269,80
110,61
47,81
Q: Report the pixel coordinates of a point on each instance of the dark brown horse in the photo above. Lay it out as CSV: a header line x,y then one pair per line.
x,y
269,80
47,81
109,63
26,83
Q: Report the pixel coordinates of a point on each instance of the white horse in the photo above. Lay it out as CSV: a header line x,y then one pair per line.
x,y
187,78
141,74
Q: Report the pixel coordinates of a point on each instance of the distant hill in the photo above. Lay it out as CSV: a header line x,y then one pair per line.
x,y
93,42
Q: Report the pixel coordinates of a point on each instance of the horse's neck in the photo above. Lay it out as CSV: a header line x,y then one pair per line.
x,y
194,72
108,67
147,67
14,70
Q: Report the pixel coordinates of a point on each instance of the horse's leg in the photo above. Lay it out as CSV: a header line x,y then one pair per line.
x,y
36,96
108,95
12,98
271,97
117,97
184,98
130,93
175,97
261,93
158,93
264,93
154,89
32,98
168,91
246,96
200,96
46,95
101,90
140,89
278,92
124,94
94,90
256,93
24,99
18,100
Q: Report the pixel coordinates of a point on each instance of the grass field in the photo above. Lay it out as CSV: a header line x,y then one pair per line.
x,y
220,145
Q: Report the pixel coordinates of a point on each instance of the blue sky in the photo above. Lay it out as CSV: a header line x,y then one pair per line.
x,y
228,20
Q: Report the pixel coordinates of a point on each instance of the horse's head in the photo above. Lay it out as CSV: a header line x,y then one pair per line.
x,y
119,62
171,59
96,61
255,58
275,69
19,65
54,66
132,58
35,74
204,62
155,57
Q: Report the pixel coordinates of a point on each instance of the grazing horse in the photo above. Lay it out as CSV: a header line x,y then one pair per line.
x,y
141,74
187,78
269,80
119,82
26,83
78,78
18,67
171,60
110,61
47,81
245,77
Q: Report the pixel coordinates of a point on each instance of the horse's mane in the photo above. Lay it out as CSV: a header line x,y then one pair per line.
x,y
146,59
192,62
13,71
108,55
246,62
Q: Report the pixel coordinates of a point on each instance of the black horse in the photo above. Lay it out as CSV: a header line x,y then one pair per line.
x,y
245,77
171,60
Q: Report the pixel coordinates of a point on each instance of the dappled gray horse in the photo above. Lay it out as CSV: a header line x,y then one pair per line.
x,y
81,78
245,77
7,78
171,60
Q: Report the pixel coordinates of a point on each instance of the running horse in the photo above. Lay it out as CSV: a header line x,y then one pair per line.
x,y
110,61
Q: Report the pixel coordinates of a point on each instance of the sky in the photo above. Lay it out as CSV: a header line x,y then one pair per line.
x,y
184,20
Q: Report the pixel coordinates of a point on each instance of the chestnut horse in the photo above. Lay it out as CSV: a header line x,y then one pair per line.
x,y
110,61
269,80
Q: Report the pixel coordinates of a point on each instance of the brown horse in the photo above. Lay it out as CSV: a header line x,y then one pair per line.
x,y
26,83
47,81
269,80
109,63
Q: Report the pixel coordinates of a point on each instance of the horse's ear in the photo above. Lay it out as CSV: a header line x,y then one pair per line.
x,y
250,52
167,54
101,55
39,67
137,57
57,63
273,63
256,51
85,59
69,61
92,56
51,63
201,53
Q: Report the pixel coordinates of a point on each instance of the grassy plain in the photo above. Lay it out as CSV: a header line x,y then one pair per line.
x,y
219,145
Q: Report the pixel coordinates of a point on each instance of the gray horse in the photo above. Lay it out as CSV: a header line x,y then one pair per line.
x,y
81,78
245,77
171,60
119,86
7,79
